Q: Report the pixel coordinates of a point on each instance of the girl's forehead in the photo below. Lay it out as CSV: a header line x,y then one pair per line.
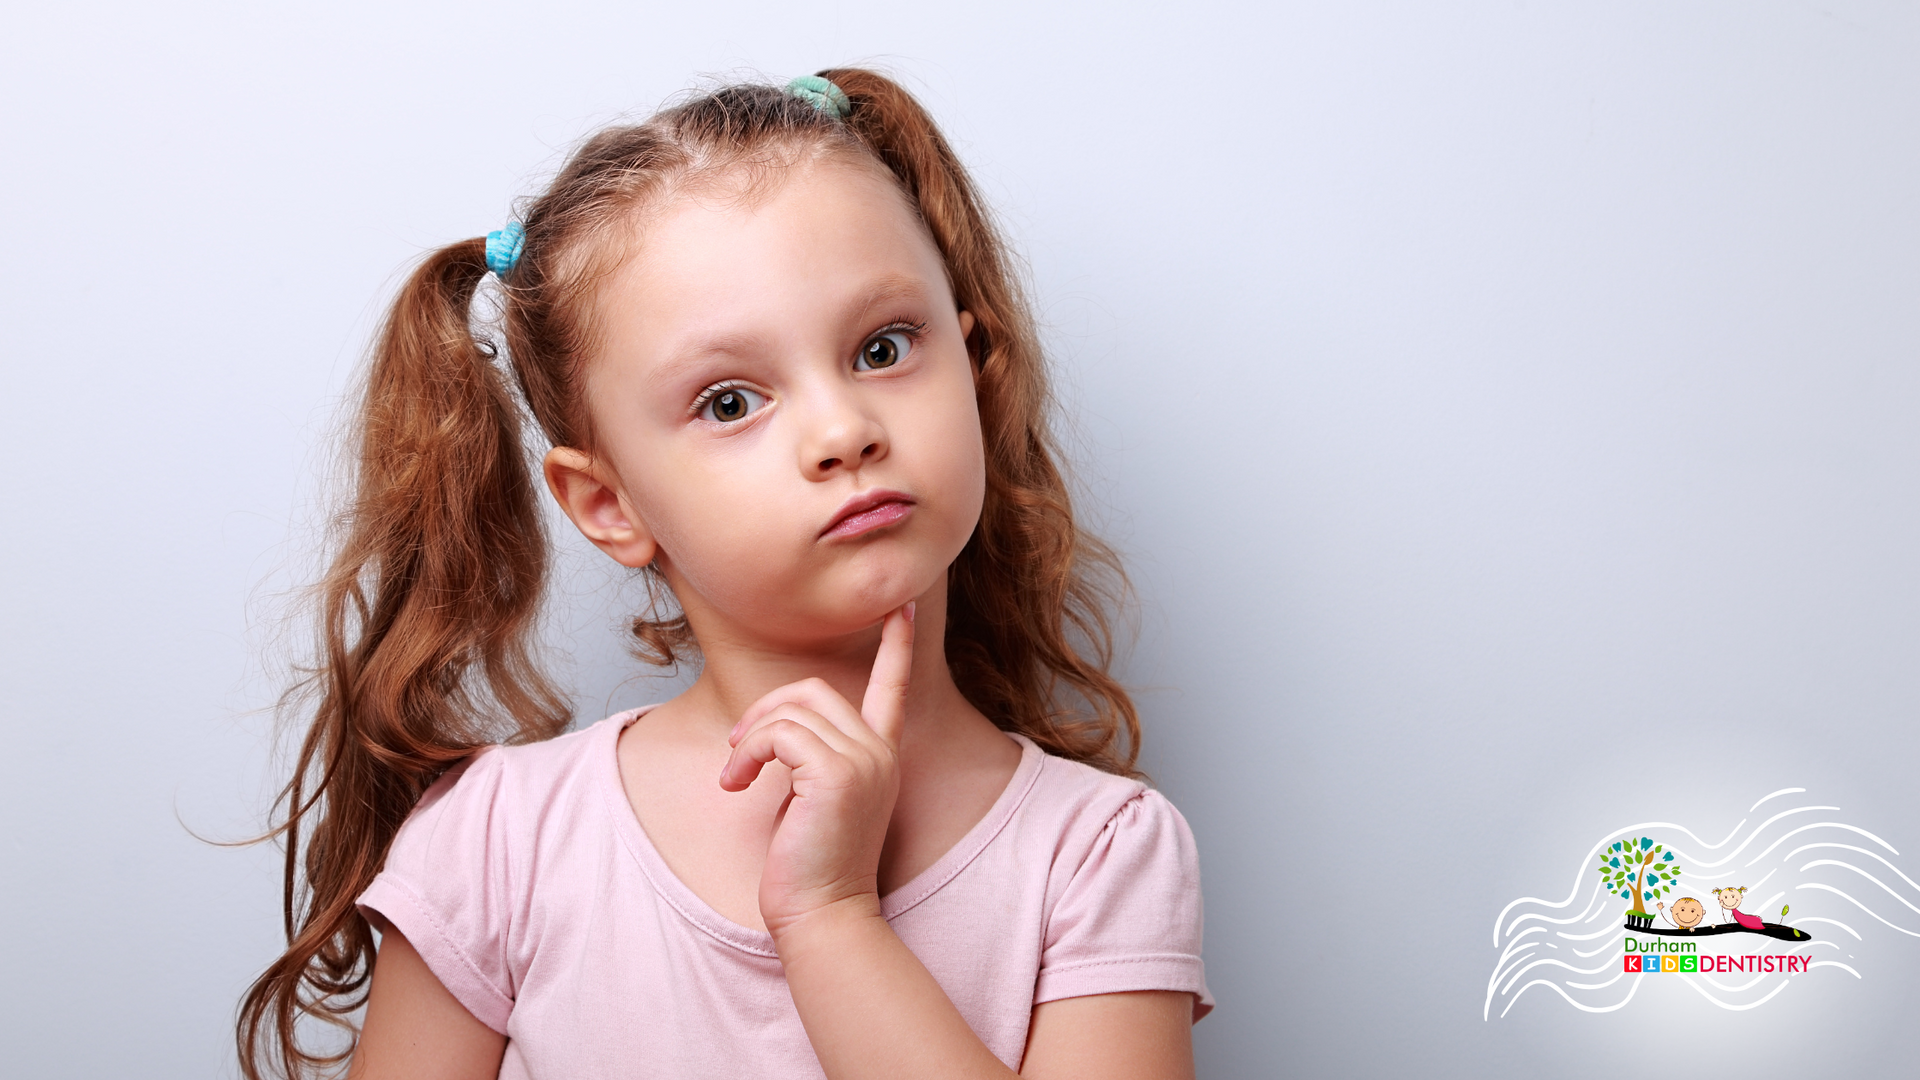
x,y
822,236
751,210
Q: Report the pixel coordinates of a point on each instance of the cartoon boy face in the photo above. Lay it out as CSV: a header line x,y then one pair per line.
x,y
1687,912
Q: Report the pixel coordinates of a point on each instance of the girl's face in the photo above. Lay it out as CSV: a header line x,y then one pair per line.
x,y
783,407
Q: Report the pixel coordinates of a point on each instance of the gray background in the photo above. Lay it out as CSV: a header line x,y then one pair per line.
x,y
1507,410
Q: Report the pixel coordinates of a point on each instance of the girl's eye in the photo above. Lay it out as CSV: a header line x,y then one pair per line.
x,y
883,351
730,403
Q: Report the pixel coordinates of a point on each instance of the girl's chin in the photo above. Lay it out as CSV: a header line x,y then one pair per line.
x,y
800,635
843,620
830,614
823,607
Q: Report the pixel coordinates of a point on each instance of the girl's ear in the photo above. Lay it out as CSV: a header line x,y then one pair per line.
x,y
597,507
966,333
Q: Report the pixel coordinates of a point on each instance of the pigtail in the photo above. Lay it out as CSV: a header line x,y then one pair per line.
x,y
426,616
1029,602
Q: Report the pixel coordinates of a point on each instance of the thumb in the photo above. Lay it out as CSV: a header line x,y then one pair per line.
x,y
885,706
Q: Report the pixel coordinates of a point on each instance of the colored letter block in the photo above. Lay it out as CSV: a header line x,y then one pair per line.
x,y
1633,962
1669,963
1689,963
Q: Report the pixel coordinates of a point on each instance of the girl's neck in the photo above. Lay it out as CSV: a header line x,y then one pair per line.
x,y
737,671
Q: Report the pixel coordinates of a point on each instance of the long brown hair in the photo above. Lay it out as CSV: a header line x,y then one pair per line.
x,y
427,611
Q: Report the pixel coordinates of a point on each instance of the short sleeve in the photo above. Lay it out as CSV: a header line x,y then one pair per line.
x,y
445,888
1130,917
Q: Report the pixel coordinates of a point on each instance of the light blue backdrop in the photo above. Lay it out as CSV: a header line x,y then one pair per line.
x,y
1508,411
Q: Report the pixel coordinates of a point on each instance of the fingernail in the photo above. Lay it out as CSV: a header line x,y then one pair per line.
x,y
909,610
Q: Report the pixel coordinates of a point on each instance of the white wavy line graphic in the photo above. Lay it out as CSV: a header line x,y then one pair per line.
x,y
1822,825
1521,924
1829,922
1731,855
1588,937
1543,961
1604,946
1856,903
1594,907
1781,985
1741,989
1863,851
1864,874
1582,1006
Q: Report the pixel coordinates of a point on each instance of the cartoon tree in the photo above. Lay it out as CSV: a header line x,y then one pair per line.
x,y
1638,871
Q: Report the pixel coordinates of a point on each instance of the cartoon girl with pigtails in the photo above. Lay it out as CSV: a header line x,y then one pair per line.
x,y
1730,899
892,829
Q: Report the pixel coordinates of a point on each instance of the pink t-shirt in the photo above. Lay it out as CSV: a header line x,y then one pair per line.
x,y
527,884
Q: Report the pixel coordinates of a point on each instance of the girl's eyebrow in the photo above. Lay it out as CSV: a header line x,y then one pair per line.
x,y
887,289
699,353
719,345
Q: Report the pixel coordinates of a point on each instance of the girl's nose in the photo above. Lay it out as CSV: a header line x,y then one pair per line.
x,y
840,437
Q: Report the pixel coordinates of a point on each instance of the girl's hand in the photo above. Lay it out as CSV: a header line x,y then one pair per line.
x,y
825,852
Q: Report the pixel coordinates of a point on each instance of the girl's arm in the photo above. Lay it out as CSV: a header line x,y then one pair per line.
x,y
1147,1034
872,1011
415,1029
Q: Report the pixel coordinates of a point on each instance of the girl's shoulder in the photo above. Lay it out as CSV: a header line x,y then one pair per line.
x,y
1083,788
548,759
517,789
1089,807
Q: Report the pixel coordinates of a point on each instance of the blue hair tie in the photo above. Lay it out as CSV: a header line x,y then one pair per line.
x,y
820,93
503,247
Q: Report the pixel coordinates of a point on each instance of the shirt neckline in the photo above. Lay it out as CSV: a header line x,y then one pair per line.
x,y
758,942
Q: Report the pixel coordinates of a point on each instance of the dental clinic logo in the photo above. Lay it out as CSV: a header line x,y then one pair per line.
x,y
1642,871
1690,912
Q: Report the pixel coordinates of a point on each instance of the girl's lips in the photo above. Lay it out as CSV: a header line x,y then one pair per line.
x,y
868,511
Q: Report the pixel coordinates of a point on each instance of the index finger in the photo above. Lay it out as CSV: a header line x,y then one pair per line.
x,y
884,707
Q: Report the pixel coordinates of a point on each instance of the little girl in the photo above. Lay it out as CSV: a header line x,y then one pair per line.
x,y
891,829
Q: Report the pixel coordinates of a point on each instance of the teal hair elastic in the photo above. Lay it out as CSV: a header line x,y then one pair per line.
x,y
503,247
820,93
